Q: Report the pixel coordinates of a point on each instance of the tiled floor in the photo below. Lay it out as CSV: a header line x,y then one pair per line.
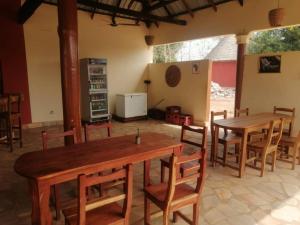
x,y
226,199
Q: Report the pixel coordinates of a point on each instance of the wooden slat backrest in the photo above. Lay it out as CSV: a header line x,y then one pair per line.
x,y
15,102
89,127
241,112
46,136
175,179
274,136
202,130
290,112
213,116
85,181
4,106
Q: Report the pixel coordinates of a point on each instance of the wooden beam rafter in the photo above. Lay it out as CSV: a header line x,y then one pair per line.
x,y
132,13
188,8
212,3
161,4
27,10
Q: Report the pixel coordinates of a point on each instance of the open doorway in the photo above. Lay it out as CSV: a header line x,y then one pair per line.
x,y
224,60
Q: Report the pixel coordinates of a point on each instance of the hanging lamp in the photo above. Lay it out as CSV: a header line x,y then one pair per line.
x,y
276,16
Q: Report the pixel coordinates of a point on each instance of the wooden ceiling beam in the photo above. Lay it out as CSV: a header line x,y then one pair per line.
x,y
129,12
27,10
212,3
188,8
161,4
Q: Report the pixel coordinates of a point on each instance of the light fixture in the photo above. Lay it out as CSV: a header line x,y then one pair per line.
x,y
149,39
276,16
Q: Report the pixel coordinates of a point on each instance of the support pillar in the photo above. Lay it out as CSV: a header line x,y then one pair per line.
x,y
70,79
242,43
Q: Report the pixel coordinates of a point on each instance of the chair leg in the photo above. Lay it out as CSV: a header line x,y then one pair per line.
x,y
20,133
196,214
273,160
294,157
10,135
162,173
57,201
175,217
146,211
166,217
108,132
263,164
237,153
225,154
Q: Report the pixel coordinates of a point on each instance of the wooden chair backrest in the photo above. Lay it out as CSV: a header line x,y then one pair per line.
x,y
213,115
274,135
241,112
288,111
89,127
47,136
4,106
85,181
202,130
175,179
15,102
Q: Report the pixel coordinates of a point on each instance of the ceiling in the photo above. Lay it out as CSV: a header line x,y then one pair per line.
x,y
147,11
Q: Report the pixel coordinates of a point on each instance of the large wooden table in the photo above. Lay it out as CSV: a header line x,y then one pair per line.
x,y
58,165
244,125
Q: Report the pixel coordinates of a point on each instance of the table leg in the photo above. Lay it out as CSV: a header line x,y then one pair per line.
x,y
243,154
40,193
215,145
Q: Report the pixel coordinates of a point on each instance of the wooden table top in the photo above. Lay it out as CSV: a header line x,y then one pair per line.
x,y
250,121
105,154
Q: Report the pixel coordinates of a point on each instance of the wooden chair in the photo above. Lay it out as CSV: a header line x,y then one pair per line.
x,y
176,194
241,112
105,210
226,140
56,188
252,135
267,146
290,143
10,114
287,131
89,127
187,167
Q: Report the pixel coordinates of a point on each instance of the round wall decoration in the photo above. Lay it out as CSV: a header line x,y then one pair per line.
x,y
173,76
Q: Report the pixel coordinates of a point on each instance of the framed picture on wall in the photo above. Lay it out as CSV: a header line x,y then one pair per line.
x,y
270,64
196,68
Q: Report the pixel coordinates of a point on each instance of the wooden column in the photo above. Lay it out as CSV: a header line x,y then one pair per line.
x,y
70,80
242,42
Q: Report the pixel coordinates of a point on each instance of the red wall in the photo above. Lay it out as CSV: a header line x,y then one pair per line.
x,y
12,54
224,73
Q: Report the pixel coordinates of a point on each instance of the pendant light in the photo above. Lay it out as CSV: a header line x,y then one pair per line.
x,y
276,16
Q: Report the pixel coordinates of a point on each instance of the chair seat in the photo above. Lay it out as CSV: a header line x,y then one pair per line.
x,y
184,168
285,131
259,146
189,167
158,191
108,214
286,140
230,138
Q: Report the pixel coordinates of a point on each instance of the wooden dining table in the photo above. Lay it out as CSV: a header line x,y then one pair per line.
x,y
46,168
244,125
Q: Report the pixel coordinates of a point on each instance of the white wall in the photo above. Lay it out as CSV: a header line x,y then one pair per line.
x,y
192,93
263,91
123,46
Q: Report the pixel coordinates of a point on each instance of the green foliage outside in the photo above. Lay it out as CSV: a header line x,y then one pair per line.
x,y
166,53
277,40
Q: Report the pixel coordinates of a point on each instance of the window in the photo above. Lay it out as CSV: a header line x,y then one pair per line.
x,y
277,40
